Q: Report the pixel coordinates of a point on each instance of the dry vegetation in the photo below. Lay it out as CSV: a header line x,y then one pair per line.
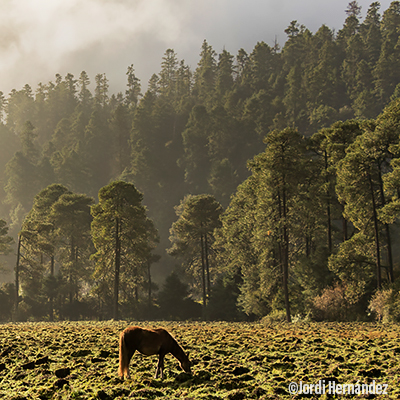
x,y
74,360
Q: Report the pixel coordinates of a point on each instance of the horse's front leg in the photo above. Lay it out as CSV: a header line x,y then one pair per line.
x,y
160,367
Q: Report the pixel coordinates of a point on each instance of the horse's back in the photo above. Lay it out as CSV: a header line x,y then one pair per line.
x,y
131,330
131,334
146,341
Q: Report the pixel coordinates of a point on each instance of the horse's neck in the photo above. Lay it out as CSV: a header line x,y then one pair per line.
x,y
177,350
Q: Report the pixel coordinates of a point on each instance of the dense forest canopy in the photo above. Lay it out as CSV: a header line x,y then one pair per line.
x,y
321,97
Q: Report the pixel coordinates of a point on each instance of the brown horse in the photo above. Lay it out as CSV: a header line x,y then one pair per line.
x,y
149,342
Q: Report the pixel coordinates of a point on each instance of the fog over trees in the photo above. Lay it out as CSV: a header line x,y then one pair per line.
x,y
268,181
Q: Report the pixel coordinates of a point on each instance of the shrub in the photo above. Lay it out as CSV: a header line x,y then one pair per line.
x,y
385,304
379,304
222,302
332,304
7,298
174,300
274,316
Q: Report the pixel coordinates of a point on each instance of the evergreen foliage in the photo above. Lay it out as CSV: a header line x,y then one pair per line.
x,y
124,237
312,213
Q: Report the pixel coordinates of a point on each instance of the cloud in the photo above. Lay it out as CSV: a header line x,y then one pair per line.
x,y
39,38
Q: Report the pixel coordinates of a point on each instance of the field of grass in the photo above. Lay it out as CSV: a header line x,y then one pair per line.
x,y
79,360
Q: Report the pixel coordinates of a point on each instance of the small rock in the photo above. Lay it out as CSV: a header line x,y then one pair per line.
x,y
62,372
43,360
28,365
102,395
104,354
240,371
97,359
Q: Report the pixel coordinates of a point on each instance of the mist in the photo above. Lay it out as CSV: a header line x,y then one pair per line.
x,y
40,38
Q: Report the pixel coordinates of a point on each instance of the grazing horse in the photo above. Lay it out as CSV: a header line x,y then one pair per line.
x,y
149,342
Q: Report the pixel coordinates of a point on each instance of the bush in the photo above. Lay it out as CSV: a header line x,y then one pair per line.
x,y
7,299
379,304
174,300
79,309
222,303
273,317
385,304
332,304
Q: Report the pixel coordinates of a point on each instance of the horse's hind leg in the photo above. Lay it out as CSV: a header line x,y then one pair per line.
x,y
160,366
125,355
131,352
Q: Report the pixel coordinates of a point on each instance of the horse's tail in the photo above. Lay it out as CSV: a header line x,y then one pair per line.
x,y
123,368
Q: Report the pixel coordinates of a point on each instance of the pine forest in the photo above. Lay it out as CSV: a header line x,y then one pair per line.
x,y
262,184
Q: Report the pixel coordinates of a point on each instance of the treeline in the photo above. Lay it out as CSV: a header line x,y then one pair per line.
x,y
193,132
313,231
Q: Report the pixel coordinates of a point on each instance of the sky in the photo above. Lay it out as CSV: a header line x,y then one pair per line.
x,y
42,38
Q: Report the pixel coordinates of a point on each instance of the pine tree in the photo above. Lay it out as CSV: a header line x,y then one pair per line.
x,y
84,95
224,78
168,74
124,238
195,161
71,218
133,91
360,187
205,74
192,237
371,34
238,255
281,165
40,246
5,239
101,90
387,67
121,125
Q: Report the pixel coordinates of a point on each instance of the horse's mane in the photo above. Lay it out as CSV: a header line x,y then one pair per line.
x,y
176,349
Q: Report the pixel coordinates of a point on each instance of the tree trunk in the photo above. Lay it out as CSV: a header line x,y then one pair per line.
x,y
308,246
203,275
149,279
71,268
285,248
387,228
17,277
51,300
117,265
376,230
207,265
328,206
389,252
344,224
329,222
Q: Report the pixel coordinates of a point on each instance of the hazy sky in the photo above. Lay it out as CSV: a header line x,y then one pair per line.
x,y
39,38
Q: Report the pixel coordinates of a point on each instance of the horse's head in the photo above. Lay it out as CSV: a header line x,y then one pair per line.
x,y
186,364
